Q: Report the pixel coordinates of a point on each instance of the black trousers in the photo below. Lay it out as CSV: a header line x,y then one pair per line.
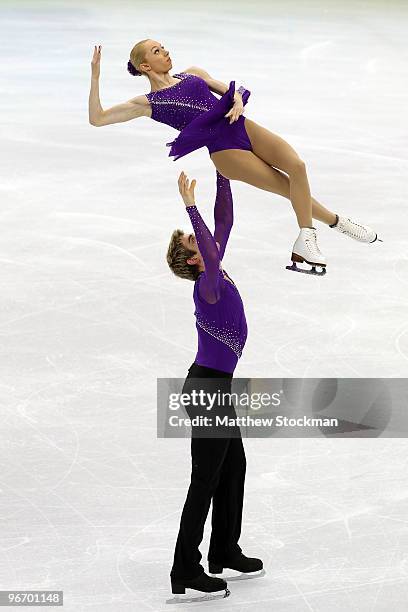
x,y
217,473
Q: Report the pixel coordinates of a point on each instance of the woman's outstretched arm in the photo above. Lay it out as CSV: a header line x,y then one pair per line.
x,y
136,107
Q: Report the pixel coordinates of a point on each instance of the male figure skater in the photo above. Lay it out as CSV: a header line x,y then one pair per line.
x,y
218,463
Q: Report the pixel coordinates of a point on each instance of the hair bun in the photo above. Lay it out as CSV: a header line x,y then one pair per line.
x,y
132,69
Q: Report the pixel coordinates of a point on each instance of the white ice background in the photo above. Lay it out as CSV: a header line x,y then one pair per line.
x,y
91,315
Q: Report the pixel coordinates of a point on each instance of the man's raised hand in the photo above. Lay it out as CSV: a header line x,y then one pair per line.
x,y
186,190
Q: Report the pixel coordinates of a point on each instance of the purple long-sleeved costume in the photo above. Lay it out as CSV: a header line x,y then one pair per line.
x,y
220,317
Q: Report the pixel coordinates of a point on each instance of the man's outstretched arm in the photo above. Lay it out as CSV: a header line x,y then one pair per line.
x,y
209,287
209,283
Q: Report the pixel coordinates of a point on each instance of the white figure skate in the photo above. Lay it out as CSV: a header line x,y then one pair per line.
x,y
306,250
362,233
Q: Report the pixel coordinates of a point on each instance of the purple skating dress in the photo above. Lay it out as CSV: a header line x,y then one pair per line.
x,y
191,107
220,317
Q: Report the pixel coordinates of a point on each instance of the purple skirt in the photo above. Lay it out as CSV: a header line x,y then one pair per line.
x,y
206,128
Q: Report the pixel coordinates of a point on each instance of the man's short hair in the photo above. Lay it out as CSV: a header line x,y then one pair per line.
x,y
177,256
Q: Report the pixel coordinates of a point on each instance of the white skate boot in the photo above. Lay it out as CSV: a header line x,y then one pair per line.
x,y
306,250
362,233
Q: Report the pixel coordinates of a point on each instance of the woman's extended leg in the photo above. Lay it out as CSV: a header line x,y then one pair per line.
x,y
256,168
245,166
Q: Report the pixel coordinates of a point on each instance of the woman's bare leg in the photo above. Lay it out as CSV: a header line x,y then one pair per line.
x,y
256,168
321,213
244,166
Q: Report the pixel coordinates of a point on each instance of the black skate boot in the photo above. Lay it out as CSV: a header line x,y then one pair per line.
x,y
249,567
215,587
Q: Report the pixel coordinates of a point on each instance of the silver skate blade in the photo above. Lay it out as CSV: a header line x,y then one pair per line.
x,y
313,271
187,598
240,575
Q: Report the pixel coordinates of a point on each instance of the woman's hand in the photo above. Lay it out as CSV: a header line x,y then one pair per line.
x,y
187,192
96,62
236,110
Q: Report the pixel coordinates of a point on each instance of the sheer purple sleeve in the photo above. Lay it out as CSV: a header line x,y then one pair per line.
x,y
209,287
223,212
245,93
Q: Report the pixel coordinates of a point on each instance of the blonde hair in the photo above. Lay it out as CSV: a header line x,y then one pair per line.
x,y
137,54
177,256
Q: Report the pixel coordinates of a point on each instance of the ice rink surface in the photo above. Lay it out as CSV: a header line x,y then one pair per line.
x,y
91,315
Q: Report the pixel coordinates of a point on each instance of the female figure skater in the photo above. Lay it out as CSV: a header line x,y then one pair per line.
x,y
239,148
218,463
